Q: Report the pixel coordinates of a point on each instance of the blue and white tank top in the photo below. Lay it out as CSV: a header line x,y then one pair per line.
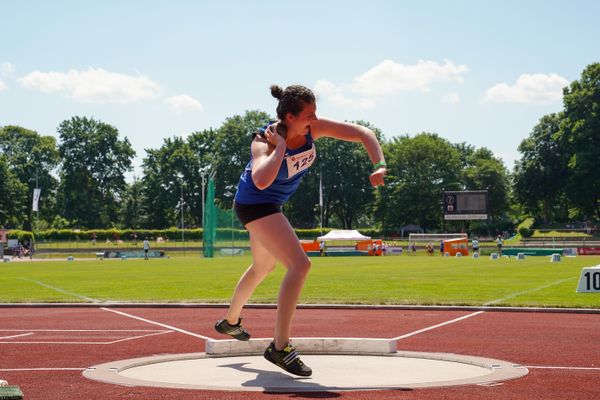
x,y
293,167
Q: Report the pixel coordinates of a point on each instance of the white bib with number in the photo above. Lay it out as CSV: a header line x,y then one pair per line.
x,y
301,161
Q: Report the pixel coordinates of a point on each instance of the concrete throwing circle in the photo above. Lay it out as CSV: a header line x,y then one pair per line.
x,y
401,370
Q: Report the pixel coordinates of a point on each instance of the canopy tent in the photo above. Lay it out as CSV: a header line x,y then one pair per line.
x,y
343,235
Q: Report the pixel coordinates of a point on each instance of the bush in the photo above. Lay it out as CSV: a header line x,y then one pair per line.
x,y
525,232
20,235
116,234
172,234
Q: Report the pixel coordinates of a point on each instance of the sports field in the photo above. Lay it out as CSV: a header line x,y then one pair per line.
x,y
405,280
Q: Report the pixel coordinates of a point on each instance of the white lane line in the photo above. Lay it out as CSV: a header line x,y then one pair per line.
x,y
15,336
158,323
527,291
568,368
139,337
61,290
82,330
438,325
41,369
152,332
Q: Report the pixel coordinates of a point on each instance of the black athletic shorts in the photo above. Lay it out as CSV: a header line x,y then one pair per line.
x,y
247,213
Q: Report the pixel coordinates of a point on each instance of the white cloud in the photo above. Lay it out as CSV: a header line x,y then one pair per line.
x,y
3,86
335,95
451,98
183,103
7,69
389,77
94,85
529,88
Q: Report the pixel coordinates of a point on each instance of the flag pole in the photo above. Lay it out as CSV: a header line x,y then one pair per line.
x,y
321,198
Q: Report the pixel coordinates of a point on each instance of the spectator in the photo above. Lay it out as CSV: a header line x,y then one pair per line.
x,y
499,244
146,248
429,249
475,245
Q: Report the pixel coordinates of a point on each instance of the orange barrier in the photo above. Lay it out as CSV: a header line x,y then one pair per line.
x,y
373,247
453,246
310,245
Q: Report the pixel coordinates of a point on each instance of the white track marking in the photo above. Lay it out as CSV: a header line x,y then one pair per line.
x,y
149,333
61,290
41,369
140,337
81,330
527,291
438,325
158,323
15,336
567,368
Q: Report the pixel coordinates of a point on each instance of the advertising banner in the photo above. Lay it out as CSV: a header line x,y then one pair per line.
x,y
588,251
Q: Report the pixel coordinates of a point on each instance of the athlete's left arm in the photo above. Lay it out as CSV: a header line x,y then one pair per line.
x,y
324,127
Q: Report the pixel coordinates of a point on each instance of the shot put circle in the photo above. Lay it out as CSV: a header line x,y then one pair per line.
x,y
331,372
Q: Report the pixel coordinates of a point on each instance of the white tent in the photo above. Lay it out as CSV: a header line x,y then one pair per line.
x,y
343,235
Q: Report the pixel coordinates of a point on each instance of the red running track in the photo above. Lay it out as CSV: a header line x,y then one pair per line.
x,y
45,350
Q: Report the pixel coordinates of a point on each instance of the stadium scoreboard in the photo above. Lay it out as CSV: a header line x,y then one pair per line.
x,y
466,205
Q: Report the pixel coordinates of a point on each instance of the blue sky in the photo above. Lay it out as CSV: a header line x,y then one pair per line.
x,y
476,71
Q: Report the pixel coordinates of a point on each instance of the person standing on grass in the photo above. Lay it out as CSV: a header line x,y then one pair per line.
x,y
280,154
499,243
146,248
475,246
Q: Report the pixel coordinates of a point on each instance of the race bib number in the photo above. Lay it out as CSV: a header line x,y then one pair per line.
x,y
301,161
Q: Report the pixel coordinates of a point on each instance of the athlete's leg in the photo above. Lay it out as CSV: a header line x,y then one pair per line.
x,y
262,263
277,236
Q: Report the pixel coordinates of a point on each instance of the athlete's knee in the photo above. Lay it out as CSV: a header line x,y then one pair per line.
x,y
302,265
262,269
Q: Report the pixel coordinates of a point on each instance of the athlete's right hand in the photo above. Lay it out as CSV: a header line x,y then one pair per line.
x,y
273,137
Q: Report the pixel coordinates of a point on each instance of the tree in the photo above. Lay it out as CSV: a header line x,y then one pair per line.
x,y
483,171
92,174
169,171
419,168
580,135
302,210
232,152
13,201
132,213
347,192
32,156
541,174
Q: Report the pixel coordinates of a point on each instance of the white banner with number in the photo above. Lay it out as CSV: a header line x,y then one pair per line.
x,y
36,199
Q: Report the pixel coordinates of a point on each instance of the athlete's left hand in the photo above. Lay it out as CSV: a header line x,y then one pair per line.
x,y
376,177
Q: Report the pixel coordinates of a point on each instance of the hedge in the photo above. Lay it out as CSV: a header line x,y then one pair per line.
x,y
152,234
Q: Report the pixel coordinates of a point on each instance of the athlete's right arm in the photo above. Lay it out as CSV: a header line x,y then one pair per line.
x,y
266,158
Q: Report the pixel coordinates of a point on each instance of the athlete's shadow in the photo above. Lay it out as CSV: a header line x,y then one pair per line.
x,y
271,379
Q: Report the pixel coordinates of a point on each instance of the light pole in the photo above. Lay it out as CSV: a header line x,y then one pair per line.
x,y
203,183
180,176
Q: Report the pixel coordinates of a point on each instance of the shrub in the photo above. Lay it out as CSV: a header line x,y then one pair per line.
x,y
525,232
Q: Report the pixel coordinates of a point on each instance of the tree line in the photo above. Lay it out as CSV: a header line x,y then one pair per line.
x,y
82,175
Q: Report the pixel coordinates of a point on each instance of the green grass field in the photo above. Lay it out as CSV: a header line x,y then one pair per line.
x,y
352,280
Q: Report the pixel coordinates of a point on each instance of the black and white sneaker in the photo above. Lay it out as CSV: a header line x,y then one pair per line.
x,y
287,359
237,331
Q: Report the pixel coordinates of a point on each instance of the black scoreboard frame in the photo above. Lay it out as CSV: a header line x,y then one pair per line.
x,y
464,205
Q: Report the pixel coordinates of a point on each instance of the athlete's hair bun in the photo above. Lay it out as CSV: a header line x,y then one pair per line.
x,y
276,91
